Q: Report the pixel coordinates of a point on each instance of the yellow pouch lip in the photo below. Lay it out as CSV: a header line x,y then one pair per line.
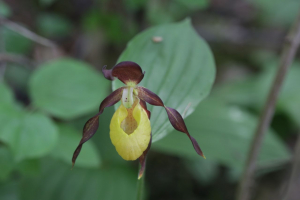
x,y
132,146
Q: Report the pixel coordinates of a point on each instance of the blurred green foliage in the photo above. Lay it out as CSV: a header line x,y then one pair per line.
x,y
5,10
277,12
67,141
43,108
159,12
252,91
52,25
16,43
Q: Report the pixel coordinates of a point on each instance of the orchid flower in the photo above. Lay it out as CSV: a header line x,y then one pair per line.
x,y
130,128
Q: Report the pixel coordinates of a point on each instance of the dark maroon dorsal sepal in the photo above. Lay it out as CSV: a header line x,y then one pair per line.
x,y
127,72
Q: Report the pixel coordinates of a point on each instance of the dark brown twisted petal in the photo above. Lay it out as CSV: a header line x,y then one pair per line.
x,y
126,72
178,123
143,157
150,97
92,124
174,116
107,73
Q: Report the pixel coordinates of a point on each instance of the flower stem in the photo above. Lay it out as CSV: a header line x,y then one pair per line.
x,y
140,188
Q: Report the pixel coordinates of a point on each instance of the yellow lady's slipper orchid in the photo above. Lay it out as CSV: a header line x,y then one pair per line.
x,y
130,129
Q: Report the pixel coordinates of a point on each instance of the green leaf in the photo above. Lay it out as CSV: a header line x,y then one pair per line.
x,y
5,10
6,163
52,25
29,135
67,88
224,134
180,69
68,141
6,95
58,182
16,43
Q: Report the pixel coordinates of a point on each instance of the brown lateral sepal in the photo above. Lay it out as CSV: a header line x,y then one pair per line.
x,y
149,97
174,117
91,126
178,123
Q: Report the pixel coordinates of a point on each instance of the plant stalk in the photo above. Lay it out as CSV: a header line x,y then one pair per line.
x,y
288,54
140,187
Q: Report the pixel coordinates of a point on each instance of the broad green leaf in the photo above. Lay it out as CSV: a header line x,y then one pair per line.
x,y
67,142
6,95
58,182
67,88
180,69
29,135
16,43
224,134
52,25
6,163
5,10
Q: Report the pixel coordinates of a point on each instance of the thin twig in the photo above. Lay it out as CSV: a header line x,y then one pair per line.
x,y
294,180
15,58
288,54
26,33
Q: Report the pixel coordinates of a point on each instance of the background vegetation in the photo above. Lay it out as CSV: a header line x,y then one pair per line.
x,y
50,87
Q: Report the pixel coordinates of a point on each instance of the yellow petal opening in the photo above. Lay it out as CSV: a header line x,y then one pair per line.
x,y
130,131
